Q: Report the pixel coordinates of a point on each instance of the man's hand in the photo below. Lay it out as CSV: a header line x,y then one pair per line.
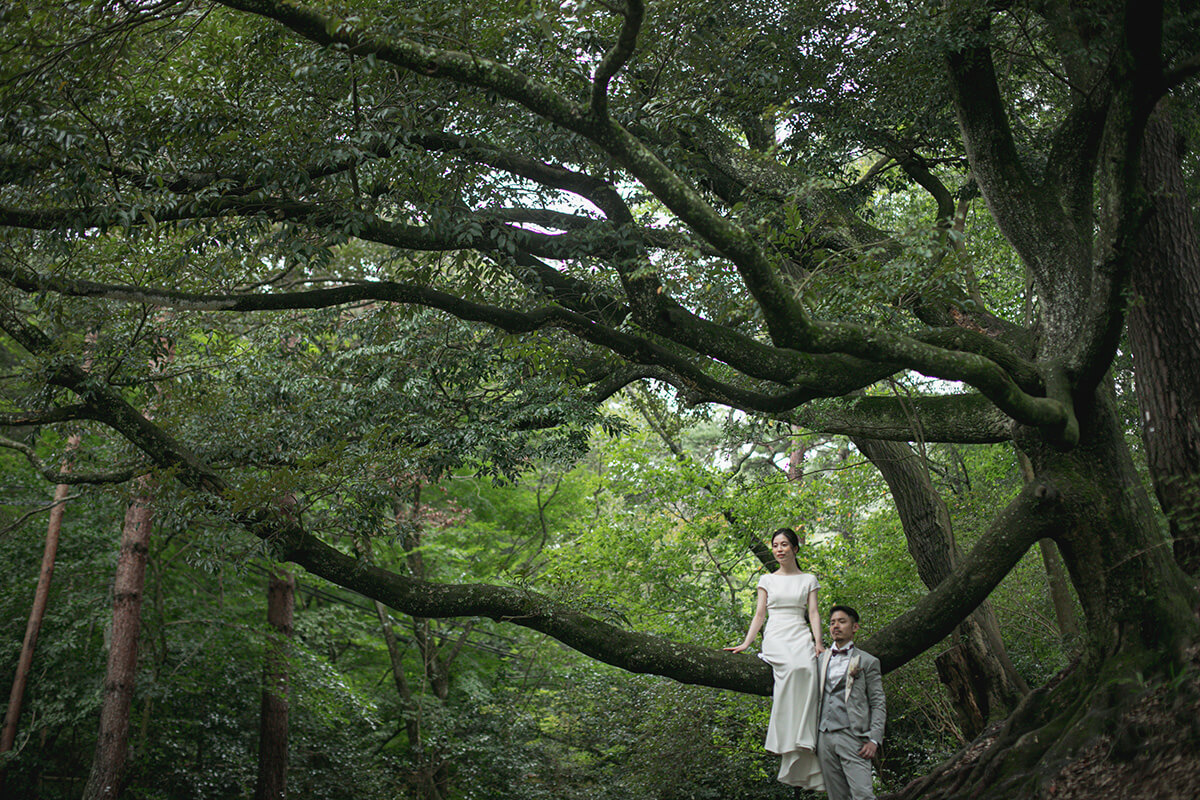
x,y
868,750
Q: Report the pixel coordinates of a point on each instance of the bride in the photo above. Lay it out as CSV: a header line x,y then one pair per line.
x,y
791,646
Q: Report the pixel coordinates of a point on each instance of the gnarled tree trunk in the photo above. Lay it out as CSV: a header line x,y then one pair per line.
x,y
1138,605
976,670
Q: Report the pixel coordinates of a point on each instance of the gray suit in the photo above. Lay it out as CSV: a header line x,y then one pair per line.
x,y
853,711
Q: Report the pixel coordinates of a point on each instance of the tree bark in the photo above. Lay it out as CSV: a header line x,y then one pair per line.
x,y
37,613
273,720
1056,573
1164,334
976,671
1131,589
1138,607
112,744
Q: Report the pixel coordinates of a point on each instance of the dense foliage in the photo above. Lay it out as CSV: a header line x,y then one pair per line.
x,y
637,531
542,314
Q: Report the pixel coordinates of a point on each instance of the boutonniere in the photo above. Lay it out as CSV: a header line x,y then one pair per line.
x,y
854,668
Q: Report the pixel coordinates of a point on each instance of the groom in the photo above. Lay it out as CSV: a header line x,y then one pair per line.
x,y
853,711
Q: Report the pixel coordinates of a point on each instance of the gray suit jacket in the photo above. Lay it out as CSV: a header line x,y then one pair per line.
x,y
865,703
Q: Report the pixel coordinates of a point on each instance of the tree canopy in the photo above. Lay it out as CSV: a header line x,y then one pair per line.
x,y
386,239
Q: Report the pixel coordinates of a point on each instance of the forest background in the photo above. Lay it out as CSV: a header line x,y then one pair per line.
x,y
635,530
421,383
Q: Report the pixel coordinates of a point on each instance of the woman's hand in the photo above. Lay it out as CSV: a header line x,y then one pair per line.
x,y
760,616
820,648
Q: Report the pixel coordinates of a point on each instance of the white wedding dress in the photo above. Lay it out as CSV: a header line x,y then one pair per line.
x,y
788,647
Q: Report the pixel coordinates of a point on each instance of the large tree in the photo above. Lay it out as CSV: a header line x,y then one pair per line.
x,y
687,192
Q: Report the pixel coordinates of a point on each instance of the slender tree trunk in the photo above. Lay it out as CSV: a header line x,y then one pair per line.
x,y
273,721
112,744
37,613
976,671
430,777
1164,334
1060,591
426,779
434,769
411,721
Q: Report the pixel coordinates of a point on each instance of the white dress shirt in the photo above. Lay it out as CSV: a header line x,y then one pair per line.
x,y
837,666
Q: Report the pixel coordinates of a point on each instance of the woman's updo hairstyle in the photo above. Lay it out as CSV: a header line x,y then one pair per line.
x,y
791,537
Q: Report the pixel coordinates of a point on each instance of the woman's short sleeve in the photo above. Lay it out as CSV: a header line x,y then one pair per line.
x,y
812,583
763,580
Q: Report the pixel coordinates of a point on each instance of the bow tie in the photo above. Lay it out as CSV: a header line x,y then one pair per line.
x,y
836,652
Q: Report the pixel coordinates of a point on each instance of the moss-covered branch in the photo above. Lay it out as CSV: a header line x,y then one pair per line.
x,y
958,418
1032,515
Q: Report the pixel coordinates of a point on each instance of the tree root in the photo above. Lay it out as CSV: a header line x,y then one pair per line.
x,y
1089,733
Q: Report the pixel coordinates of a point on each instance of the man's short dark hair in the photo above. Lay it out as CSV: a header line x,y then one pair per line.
x,y
847,610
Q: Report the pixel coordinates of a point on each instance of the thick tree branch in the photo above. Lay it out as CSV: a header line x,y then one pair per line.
x,y
575,294
465,233
915,168
600,192
1123,197
1034,223
542,217
960,418
1050,415
1070,167
1032,515
629,650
